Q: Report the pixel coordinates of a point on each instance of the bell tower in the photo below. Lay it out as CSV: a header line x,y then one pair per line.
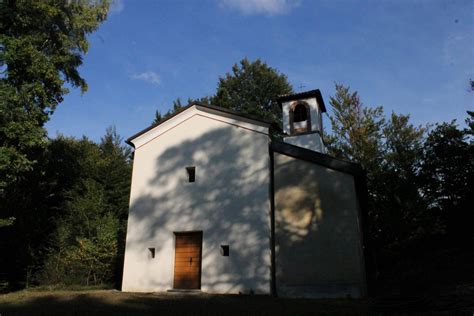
x,y
302,119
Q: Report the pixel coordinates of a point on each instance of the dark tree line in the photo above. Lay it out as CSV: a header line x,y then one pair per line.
x,y
420,184
87,244
44,183
70,215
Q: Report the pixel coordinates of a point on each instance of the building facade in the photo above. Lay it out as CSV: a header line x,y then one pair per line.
x,y
218,205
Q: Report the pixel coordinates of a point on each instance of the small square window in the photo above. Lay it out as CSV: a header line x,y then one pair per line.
x,y
152,252
191,173
225,250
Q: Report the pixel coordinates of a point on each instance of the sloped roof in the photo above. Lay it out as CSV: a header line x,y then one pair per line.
x,y
318,158
303,95
257,120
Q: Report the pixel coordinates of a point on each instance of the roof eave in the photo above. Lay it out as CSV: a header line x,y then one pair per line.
x,y
303,95
209,106
318,158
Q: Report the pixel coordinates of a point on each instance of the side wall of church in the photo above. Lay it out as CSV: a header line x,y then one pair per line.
x,y
228,203
317,231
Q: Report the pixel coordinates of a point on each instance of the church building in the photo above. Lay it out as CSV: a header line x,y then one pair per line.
x,y
221,203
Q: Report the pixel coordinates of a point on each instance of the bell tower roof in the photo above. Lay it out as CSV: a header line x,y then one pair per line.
x,y
303,95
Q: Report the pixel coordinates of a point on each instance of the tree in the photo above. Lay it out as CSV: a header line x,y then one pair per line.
x,y
7,222
357,136
41,48
178,106
447,176
399,211
389,151
114,164
85,245
42,43
115,177
470,124
39,203
252,88
356,129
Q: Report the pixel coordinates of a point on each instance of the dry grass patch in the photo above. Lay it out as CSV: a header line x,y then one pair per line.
x,y
112,302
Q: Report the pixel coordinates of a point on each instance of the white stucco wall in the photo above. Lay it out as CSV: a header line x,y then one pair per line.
x,y
308,141
229,203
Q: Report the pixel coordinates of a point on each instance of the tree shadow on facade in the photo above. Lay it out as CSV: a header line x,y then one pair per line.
x,y
228,202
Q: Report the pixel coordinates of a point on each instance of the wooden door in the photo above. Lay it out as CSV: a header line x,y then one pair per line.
x,y
187,260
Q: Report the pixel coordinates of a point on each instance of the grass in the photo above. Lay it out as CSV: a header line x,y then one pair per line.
x,y
87,301
112,302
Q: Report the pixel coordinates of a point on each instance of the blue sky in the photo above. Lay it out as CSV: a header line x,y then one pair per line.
x,y
411,57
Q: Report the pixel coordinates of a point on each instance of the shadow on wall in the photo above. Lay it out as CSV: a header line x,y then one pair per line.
x,y
228,202
317,234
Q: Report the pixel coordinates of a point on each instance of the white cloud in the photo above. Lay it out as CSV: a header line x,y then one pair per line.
x,y
268,7
148,76
116,6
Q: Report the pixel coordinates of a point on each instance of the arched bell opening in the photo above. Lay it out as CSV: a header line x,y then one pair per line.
x,y
300,118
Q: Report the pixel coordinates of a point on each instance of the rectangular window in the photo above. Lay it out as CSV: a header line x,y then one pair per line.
x,y
191,173
225,250
152,252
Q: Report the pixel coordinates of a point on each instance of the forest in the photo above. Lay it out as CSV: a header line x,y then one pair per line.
x,y
64,200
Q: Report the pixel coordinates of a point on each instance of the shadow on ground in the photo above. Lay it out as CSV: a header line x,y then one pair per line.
x,y
118,303
112,302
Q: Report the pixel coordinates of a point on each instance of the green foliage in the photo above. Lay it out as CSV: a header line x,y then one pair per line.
x,y
87,244
86,241
398,211
403,145
7,221
356,129
390,152
178,106
43,43
420,189
447,177
41,48
470,124
114,164
444,166
252,88
419,183
71,227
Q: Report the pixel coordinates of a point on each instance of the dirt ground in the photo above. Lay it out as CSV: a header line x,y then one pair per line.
x,y
113,302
